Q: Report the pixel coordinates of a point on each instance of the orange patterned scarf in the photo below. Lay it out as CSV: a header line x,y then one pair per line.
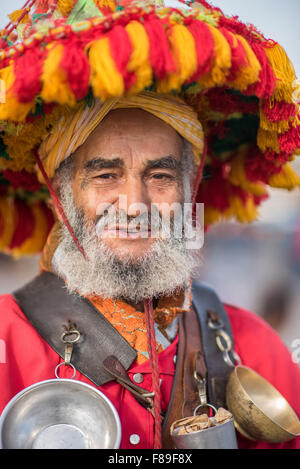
x,y
129,322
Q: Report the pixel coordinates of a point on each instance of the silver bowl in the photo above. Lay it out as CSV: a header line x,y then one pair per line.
x,y
60,414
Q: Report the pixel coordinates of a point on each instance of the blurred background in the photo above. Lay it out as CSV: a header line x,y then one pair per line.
x,y
256,267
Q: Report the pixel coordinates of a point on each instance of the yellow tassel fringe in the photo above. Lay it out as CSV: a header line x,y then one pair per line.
x,y
65,6
55,87
12,109
238,210
221,61
267,140
250,74
111,4
184,50
286,179
243,213
284,72
139,61
14,17
106,80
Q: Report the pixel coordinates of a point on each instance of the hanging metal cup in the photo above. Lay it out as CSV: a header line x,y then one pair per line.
x,y
219,436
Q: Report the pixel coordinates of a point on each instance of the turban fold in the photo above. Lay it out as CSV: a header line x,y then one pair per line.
x,y
73,128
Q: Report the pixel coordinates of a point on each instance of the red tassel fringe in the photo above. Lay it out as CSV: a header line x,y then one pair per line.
x,y
25,224
121,50
214,192
249,32
23,180
204,47
77,68
238,55
161,58
267,81
28,71
279,111
226,103
290,140
258,168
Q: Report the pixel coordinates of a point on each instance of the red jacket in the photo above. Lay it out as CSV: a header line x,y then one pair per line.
x,y
29,359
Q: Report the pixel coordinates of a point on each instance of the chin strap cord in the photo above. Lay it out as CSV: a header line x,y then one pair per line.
x,y
58,203
153,357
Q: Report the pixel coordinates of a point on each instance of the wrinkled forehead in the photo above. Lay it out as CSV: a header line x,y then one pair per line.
x,y
132,135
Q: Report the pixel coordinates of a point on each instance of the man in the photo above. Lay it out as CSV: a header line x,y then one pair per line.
x,y
120,171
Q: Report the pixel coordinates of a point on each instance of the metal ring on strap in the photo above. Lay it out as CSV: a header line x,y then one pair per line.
x,y
228,344
206,405
215,325
224,344
63,363
66,336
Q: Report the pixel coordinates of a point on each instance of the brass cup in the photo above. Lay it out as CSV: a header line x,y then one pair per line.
x,y
260,412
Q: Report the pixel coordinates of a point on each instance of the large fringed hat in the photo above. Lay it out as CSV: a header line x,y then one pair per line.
x,y
58,55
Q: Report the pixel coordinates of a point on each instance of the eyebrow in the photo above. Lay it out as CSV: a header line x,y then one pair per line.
x,y
102,163
166,162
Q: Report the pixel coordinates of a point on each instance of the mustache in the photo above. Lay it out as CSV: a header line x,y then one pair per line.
x,y
144,222
121,220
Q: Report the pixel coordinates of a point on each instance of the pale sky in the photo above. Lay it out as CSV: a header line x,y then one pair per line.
x,y
276,19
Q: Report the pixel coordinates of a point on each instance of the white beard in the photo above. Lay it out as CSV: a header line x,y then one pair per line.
x,y
161,271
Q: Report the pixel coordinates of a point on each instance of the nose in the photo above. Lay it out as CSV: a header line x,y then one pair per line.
x,y
134,197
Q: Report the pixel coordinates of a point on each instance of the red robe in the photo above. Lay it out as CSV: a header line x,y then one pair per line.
x,y
29,359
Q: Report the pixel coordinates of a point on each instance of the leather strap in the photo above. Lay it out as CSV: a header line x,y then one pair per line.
x,y
49,306
190,359
207,303
112,365
198,352
193,363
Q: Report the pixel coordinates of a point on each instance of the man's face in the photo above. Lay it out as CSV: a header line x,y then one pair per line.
x,y
134,157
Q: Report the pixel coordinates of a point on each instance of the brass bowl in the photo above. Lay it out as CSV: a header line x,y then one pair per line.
x,y
260,412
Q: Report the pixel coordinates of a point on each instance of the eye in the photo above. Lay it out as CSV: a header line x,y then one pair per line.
x,y
106,176
162,176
